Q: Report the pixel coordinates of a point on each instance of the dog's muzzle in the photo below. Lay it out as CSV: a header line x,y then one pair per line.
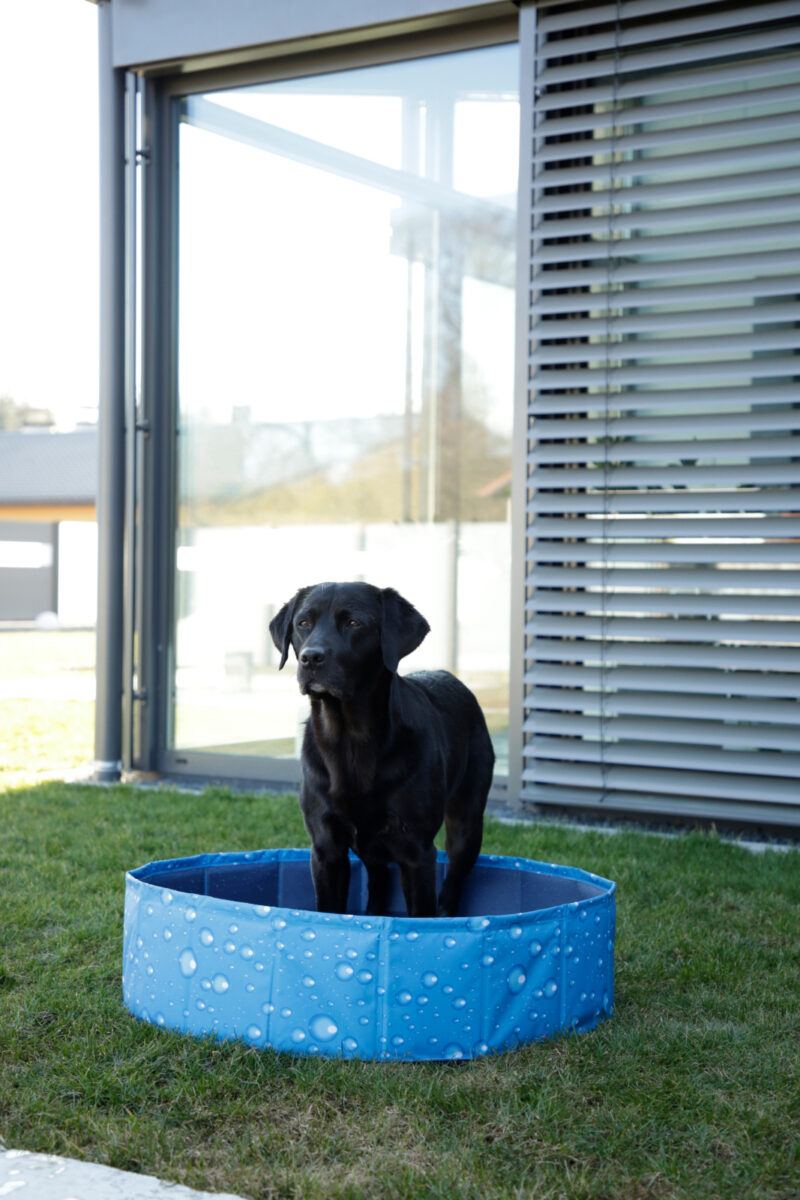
x,y
312,657
313,672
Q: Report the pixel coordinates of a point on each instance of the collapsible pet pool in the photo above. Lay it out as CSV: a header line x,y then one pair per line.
x,y
230,945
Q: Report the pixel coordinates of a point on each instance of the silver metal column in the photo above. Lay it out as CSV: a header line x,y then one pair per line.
x,y
111,478
519,487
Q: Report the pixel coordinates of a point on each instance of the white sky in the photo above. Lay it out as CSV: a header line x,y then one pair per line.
x,y
49,205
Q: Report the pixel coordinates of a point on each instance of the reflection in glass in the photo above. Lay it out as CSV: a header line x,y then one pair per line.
x,y
345,375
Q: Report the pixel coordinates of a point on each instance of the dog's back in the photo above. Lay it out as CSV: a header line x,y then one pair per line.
x,y
458,723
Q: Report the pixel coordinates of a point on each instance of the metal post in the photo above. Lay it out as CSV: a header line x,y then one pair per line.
x,y
111,478
519,490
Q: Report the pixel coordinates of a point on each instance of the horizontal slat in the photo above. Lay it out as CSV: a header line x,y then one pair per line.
x,y
765,420
627,31
685,191
583,16
704,241
614,322
699,295
542,797
706,709
640,477
632,450
691,783
655,59
658,754
744,129
608,603
675,629
686,683
548,451
727,346
660,373
700,105
665,579
740,500
642,552
627,271
715,216
691,399
619,92
696,161
666,654
676,732
674,527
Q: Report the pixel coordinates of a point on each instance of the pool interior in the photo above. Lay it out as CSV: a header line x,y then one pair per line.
x,y
490,889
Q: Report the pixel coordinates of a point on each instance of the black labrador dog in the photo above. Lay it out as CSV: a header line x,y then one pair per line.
x,y
386,758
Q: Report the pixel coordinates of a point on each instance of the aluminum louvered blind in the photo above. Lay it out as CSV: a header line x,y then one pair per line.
x,y
662,662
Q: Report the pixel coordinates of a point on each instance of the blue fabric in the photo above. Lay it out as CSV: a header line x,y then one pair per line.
x,y
230,945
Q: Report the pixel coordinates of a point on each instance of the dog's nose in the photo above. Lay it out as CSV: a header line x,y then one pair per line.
x,y
312,656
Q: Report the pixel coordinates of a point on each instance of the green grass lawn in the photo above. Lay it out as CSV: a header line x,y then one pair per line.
x,y
47,724
692,1089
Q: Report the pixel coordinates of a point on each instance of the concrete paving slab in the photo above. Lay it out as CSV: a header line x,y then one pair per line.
x,y
28,1176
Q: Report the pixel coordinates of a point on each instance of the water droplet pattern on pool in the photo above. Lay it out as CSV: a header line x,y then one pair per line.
x,y
360,986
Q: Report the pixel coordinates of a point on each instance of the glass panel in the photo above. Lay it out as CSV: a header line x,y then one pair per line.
x,y
345,375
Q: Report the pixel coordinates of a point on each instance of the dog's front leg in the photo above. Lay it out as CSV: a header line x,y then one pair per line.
x,y
419,884
330,872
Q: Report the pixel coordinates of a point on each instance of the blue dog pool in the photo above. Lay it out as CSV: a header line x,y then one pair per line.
x,y
230,945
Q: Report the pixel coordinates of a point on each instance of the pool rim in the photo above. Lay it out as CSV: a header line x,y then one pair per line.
x,y
606,888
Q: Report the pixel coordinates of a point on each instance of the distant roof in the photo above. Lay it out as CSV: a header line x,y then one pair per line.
x,y
41,466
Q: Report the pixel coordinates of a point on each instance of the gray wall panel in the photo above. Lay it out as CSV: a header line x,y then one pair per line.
x,y
153,31
26,591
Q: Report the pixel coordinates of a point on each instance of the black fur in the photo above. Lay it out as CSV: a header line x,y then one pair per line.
x,y
386,758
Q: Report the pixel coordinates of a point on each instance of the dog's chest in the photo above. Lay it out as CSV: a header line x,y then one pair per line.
x,y
352,762
357,799
352,774
362,777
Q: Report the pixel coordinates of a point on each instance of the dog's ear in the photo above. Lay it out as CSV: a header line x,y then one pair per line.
x,y
281,625
402,628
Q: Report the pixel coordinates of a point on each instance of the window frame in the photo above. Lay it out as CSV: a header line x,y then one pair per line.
x,y
152,388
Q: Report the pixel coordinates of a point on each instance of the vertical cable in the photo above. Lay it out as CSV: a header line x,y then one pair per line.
x,y
611,266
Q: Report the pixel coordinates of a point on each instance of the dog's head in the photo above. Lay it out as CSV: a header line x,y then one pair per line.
x,y
345,634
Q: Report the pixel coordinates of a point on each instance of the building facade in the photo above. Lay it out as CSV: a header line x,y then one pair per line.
x,y
493,303
48,534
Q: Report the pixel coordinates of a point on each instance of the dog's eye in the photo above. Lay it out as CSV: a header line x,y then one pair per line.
x,y
353,623
304,624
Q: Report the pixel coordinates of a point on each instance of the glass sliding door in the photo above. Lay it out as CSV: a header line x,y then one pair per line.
x,y
346,365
